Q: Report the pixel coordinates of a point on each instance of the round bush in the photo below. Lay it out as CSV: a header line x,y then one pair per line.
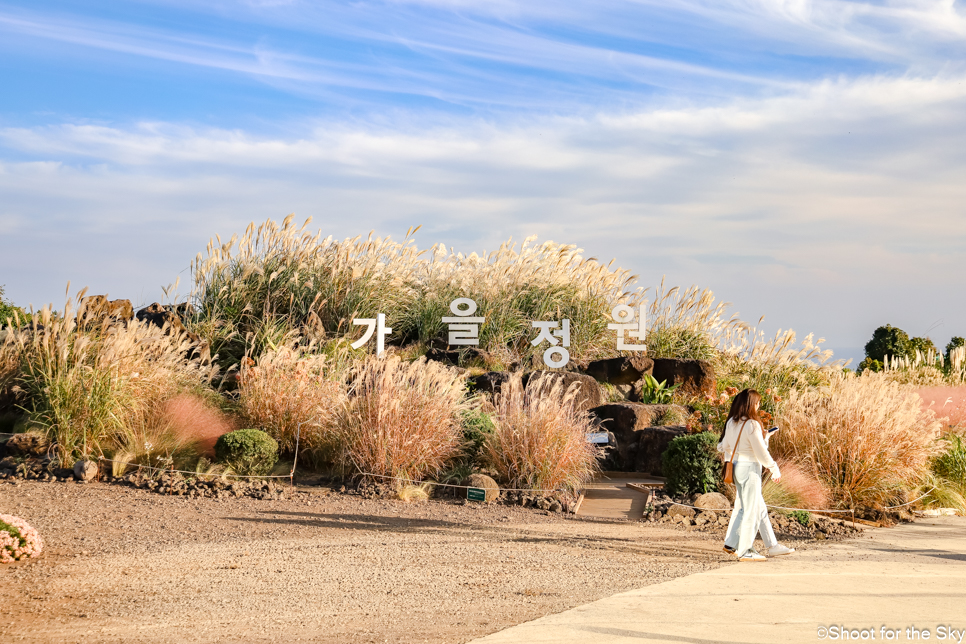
x,y
250,452
18,540
691,464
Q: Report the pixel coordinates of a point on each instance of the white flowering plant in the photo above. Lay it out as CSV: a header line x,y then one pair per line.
x,y
18,540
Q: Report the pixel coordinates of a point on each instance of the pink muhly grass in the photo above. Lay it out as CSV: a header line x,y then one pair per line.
x,y
798,489
948,403
195,420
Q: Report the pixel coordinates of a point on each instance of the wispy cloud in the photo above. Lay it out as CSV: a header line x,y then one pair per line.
x,y
524,55
843,193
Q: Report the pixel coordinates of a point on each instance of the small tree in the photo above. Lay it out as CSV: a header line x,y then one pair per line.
x,y
888,341
922,345
955,343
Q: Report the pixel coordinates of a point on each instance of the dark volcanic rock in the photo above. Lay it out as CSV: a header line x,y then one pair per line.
x,y
625,370
638,443
653,443
586,389
696,377
489,382
95,309
167,318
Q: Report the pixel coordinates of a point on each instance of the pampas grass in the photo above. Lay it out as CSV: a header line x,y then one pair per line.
x,y
291,393
865,437
688,324
401,420
540,441
87,384
276,279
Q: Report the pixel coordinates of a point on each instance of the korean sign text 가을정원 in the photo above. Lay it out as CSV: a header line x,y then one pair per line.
x,y
464,330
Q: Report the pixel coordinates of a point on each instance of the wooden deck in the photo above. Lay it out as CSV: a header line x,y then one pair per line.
x,y
618,495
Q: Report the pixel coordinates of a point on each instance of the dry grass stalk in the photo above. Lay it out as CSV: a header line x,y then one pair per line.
x,y
410,493
401,420
540,441
688,324
865,437
922,370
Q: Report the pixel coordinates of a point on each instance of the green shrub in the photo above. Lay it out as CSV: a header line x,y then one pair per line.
x,y
801,516
477,426
951,464
924,346
15,314
954,343
691,464
249,452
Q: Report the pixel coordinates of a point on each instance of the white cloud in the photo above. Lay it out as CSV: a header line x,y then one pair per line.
x,y
844,196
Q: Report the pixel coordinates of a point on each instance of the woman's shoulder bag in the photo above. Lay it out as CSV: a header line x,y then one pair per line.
x,y
729,473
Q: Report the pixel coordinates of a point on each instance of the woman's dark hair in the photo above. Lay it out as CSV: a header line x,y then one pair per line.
x,y
743,406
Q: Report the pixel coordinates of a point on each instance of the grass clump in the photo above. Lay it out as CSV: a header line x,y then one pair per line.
x,y
945,484
89,386
540,441
951,463
401,420
248,452
865,437
291,393
274,280
798,488
691,464
688,324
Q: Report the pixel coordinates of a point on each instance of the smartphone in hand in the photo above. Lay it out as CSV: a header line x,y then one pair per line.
x,y
772,430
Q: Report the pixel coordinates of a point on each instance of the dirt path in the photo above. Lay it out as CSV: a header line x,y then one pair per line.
x,y
129,565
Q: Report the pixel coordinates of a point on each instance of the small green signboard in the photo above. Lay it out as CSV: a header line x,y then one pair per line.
x,y
475,494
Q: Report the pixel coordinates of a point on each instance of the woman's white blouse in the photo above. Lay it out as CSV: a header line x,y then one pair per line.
x,y
752,447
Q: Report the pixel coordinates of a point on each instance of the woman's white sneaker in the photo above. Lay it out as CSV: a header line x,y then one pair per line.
x,y
779,549
751,555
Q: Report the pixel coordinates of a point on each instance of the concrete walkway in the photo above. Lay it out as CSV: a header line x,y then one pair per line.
x,y
889,580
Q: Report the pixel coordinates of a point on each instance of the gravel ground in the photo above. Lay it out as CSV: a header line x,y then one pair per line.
x,y
123,564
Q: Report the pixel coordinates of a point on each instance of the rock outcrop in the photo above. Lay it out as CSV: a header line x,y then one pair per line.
x,y
696,377
586,390
639,440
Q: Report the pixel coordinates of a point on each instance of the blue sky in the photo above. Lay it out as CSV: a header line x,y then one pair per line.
x,y
804,159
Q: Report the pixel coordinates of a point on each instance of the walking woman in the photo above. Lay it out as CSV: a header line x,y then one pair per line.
x,y
744,445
